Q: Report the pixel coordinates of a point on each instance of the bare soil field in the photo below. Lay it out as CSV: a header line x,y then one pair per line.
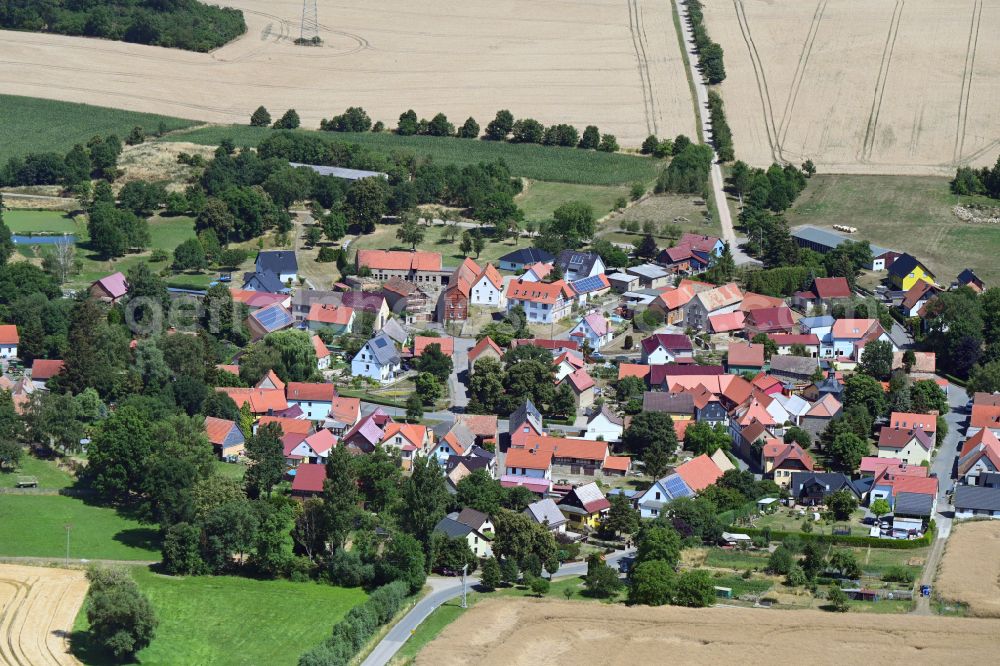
x,y
505,632
37,610
612,63
862,86
970,569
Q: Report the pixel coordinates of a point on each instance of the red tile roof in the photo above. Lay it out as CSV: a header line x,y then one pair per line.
x,y
483,345
43,369
852,329
346,410
618,463
8,334
727,323
261,400
309,478
699,472
551,345
789,339
491,274
832,287
529,459
632,370
217,429
746,354
330,314
320,347
308,391
538,292
668,341
770,319
115,285
580,380
985,416
421,343
288,426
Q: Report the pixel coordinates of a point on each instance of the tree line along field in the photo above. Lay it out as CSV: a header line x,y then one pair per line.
x,y
32,125
907,213
548,163
889,87
613,64
230,621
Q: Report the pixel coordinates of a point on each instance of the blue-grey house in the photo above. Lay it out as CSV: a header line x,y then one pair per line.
x,y
520,259
265,281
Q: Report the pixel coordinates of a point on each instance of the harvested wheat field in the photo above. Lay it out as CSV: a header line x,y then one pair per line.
x,y
37,610
503,632
612,63
862,86
970,569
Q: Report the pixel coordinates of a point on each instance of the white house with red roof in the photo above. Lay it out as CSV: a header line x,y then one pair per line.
x,y
9,340
314,399
848,337
543,302
566,364
338,319
909,437
583,387
322,353
663,348
487,289
594,329
536,272
980,454
410,439
315,448
530,468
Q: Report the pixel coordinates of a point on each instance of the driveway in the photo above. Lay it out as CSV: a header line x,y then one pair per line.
x,y
460,361
446,589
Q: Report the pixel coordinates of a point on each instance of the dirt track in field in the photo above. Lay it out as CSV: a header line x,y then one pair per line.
x,y
970,569
862,86
611,63
506,632
37,610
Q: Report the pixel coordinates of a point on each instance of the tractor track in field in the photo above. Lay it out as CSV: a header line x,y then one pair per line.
x,y
800,70
635,29
880,83
967,74
765,94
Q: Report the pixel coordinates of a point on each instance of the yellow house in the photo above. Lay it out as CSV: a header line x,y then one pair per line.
x,y
585,506
906,271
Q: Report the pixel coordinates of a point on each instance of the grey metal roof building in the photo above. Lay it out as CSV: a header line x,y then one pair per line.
x,y
451,528
913,504
822,240
339,172
976,498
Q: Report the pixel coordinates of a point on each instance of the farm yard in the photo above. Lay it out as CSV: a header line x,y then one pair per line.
x,y
970,569
501,632
37,608
904,87
616,65
197,620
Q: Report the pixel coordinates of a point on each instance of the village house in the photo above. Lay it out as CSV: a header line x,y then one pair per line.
x,y
315,400
315,448
42,370
745,357
422,268
848,338
523,257
366,434
268,320
671,303
281,263
585,506
524,424
344,413
378,359
110,288
720,300
604,425
662,348
260,400
566,364
823,293
308,481
687,479
265,282
458,441
487,289
422,342
813,488
536,272
794,369
768,320
968,278
485,348
784,342
409,439
594,329
589,288
779,461
908,437
979,457
322,353
460,526
679,406
824,410
454,302
583,388
226,438
682,259
546,512
543,302
918,295
336,319
906,271
577,265
528,468
977,502
370,302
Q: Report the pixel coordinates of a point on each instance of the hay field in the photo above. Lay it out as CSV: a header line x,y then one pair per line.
x,y
970,569
612,63
505,632
862,86
37,610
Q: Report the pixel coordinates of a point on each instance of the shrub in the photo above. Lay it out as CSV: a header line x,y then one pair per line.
x,y
898,574
326,255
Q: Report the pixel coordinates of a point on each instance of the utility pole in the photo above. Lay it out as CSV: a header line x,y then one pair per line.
x,y
465,570
310,21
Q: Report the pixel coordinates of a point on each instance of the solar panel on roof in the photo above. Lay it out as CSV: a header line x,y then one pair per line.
x,y
676,487
274,318
592,283
380,342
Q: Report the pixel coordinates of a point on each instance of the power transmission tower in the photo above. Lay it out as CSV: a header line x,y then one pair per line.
x,y
310,21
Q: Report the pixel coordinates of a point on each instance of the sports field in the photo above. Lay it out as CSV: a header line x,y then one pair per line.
x,y
501,632
611,63
37,608
862,86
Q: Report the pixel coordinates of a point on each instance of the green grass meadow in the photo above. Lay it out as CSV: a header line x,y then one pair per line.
x,y
230,621
565,165
907,213
47,473
34,526
36,221
540,198
32,125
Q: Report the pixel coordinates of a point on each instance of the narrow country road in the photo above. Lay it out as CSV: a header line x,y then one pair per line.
x,y
446,589
942,466
701,98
